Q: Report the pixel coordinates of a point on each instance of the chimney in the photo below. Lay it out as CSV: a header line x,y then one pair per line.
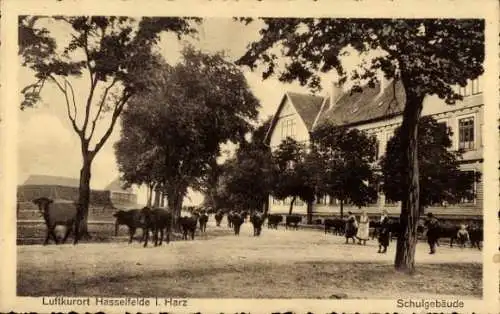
x,y
335,94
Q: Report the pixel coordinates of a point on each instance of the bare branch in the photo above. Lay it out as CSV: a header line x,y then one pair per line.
x,y
116,113
65,93
101,105
93,83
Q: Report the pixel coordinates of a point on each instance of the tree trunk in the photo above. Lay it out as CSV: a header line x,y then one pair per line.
x,y
162,199
84,196
410,205
266,205
291,205
310,212
341,208
150,195
157,198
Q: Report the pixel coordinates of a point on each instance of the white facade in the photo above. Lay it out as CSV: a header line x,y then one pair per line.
x,y
465,119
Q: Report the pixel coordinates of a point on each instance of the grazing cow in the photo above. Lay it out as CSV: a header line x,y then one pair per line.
x,y
257,219
218,218
58,214
156,220
237,221
273,220
337,226
476,236
132,219
292,220
188,225
203,221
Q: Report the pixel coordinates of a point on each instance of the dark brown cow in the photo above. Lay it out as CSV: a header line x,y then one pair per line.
x,y
237,221
157,220
132,219
188,225
257,219
203,221
59,214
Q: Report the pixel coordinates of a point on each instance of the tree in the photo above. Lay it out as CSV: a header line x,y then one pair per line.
x,y
202,102
347,157
428,56
247,177
440,175
291,177
115,53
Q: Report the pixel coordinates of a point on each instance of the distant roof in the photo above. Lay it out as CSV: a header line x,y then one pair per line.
x,y
116,185
307,106
51,180
367,105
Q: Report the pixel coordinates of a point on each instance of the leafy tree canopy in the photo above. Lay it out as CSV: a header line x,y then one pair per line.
x,y
440,175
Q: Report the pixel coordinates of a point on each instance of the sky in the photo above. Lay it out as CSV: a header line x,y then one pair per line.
x,y
48,144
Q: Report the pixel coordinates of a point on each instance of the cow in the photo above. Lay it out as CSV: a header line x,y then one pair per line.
x,y
237,221
273,220
337,226
203,221
448,231
156,220
292,220
59,214
257,219
230,215
130,218
218,218
476,236
188,225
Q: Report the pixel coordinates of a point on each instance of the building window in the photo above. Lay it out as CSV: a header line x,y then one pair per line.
x,y
476,87
466,133
471,197
288,128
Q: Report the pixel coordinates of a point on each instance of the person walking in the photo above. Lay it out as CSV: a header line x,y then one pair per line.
x,y
432,225
383,234
463,235
351,228
363,228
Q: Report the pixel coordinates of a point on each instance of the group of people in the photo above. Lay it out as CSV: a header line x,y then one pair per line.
x,y
360,230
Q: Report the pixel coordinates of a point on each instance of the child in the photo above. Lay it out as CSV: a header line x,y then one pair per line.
x,y
463,235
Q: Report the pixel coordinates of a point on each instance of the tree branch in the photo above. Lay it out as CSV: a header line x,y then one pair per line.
x,y
101,105
65,93
116,113
93,83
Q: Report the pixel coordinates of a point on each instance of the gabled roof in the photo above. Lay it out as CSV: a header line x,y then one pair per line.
x,y
116,185
307,106
51,180
370,104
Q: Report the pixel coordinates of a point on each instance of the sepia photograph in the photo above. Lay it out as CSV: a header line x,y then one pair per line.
x,y
165,158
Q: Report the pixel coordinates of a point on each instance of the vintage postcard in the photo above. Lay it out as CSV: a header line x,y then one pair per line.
x,y
249,156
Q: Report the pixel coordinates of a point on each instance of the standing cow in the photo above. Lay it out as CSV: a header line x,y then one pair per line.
x,y
218,218
237,221
257,219
132,219
156,220
203,218
57,214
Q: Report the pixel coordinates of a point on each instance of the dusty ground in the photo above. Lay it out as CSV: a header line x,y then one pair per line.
x,y
279,264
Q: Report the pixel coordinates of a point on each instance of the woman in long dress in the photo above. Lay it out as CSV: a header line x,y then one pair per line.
x,y
351,228
363,228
